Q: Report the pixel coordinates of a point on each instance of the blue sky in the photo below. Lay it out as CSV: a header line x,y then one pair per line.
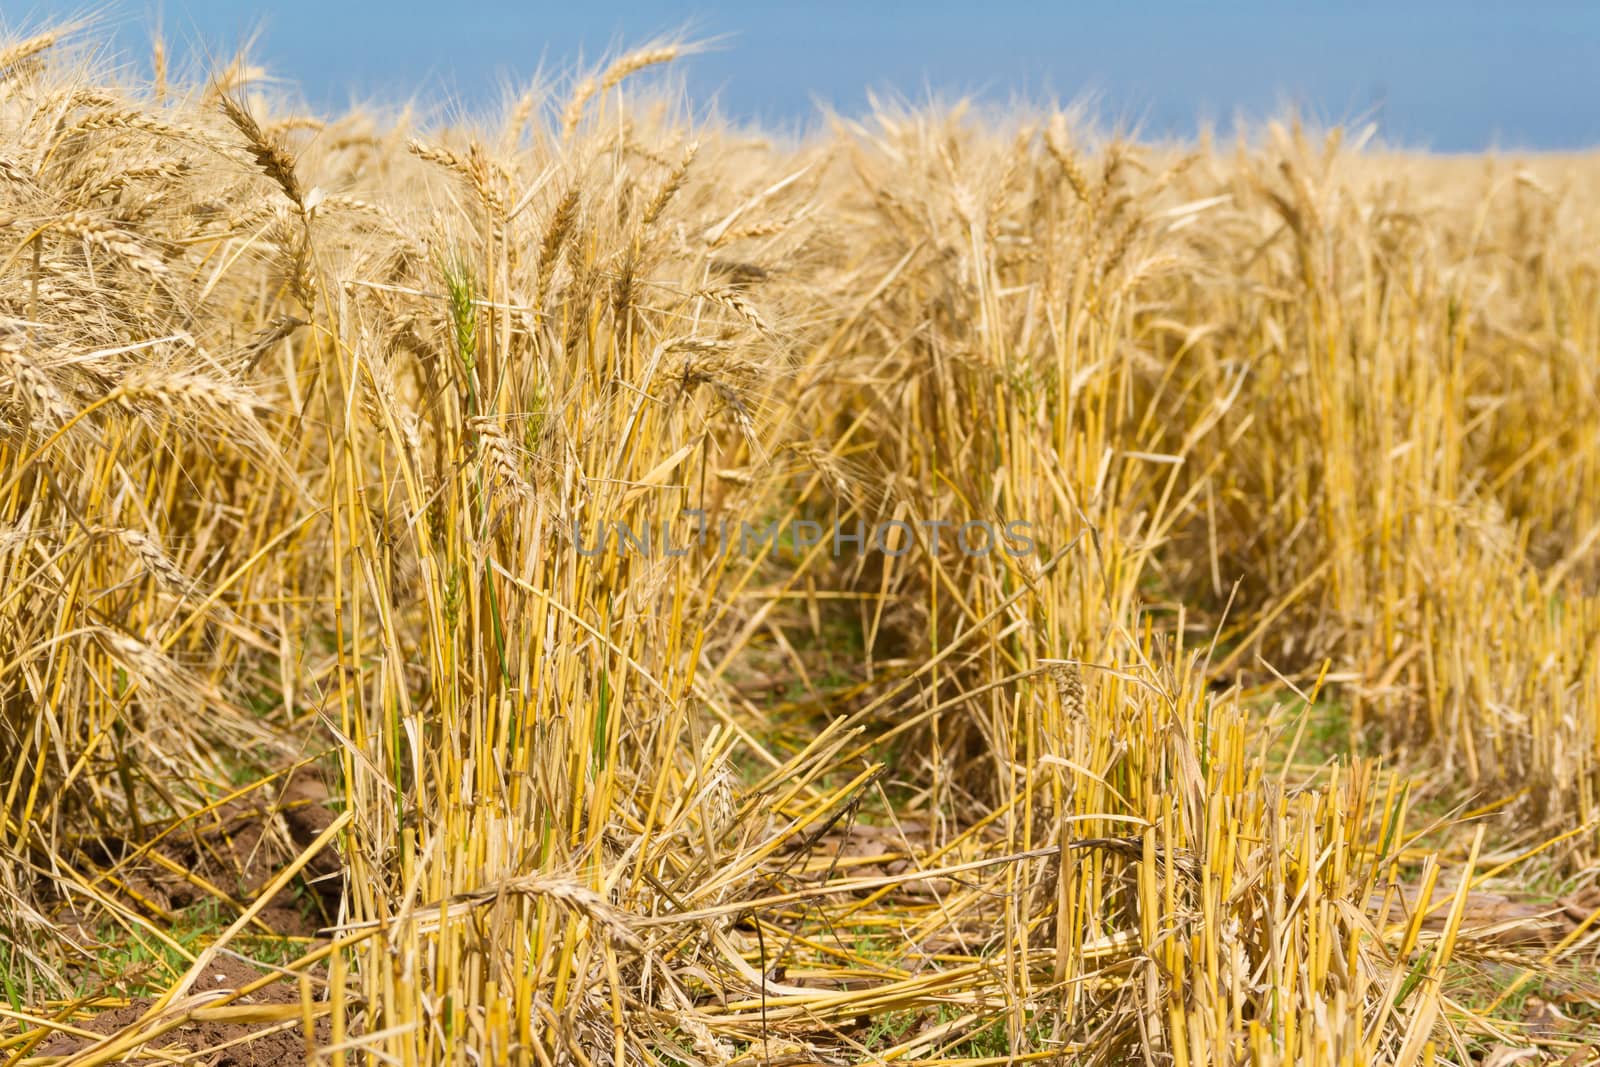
x,y
1449,76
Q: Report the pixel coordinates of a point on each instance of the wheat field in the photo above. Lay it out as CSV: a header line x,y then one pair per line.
x,y
596,586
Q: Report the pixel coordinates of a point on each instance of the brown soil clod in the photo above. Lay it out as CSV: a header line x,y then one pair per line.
x,y
241,847
212,1042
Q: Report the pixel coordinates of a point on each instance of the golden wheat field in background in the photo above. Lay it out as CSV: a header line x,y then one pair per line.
x,y
328,734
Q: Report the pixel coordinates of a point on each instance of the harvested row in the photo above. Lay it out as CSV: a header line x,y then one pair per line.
x,y
366,581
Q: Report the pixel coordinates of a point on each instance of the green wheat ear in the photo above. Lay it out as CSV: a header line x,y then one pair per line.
x,y
461,285
461,289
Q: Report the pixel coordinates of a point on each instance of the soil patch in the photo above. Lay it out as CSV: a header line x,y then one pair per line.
x,y
241,847
219,1044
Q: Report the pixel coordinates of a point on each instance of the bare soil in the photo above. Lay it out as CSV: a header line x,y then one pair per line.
x,y
217,1044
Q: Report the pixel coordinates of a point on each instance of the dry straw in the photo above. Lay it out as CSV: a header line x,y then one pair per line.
x,y
1303,442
